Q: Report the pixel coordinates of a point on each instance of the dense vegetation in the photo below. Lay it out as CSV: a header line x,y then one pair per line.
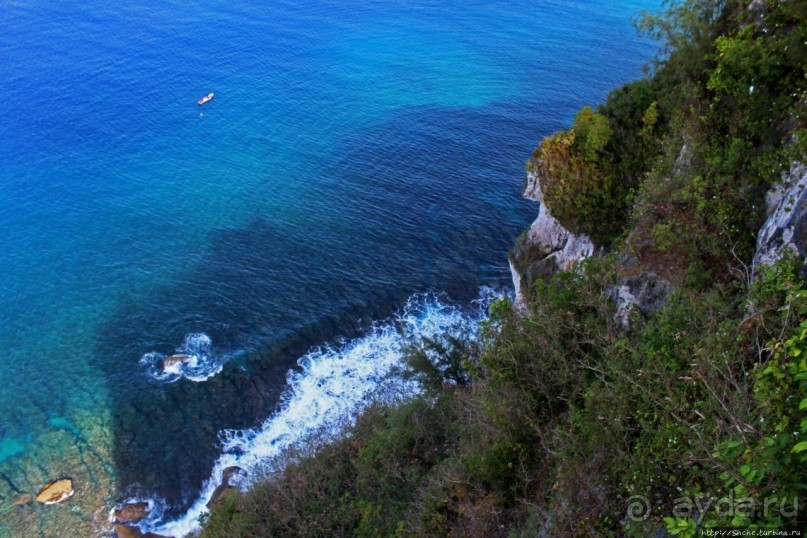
x,y
563,419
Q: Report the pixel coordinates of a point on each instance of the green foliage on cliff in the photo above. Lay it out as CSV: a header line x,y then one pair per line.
x,y
730,89
565,421
575,176
588,172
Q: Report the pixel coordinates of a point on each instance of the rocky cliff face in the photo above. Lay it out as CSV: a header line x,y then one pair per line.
x,y
644,291
785,229
545,247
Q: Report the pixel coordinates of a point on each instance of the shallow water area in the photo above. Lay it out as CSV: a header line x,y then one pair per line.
x,y
356,154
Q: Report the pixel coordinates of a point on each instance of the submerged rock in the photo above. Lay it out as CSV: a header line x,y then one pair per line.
x,y
56,491
132,512
21,500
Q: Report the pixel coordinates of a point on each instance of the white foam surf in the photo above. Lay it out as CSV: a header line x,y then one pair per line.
x,y
194,360
330,387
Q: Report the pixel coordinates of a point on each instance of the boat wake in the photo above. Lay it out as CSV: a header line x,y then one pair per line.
x,y
194,361
324,394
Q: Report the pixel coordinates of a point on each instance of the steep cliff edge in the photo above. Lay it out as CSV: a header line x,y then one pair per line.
x,y
545,247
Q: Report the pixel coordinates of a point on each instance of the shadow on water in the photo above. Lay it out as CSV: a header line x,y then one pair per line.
x,y
428,201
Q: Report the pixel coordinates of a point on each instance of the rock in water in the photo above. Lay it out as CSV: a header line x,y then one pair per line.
x,y
23,499
56,491
132,512
173,363
230,472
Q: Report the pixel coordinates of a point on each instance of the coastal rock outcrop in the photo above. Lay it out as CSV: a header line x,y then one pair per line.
x,y
786,225
228,477
132,512
56,491
219,494
546,247
232,472
122,531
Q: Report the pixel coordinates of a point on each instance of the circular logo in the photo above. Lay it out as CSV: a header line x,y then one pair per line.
x,y
638,508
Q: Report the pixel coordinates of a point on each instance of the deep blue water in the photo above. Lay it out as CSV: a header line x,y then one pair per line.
x,y
355,153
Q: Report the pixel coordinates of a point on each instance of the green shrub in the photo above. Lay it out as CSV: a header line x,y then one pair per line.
x,y
440,360
588,173
575,181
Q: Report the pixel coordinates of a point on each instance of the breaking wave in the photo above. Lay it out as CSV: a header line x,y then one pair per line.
x,y
331,385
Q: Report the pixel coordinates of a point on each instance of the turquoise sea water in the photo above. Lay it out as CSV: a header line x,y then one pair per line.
x,y
355,154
